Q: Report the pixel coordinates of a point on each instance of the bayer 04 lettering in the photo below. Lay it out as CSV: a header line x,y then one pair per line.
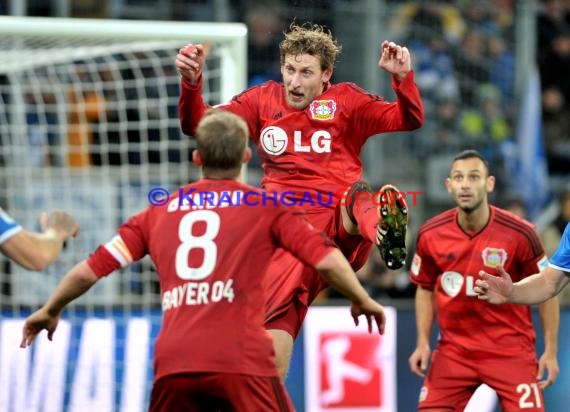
x,y
198,293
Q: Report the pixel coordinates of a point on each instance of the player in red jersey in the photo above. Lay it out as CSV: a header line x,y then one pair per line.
x,y
309,135
479,343
533,289
210,245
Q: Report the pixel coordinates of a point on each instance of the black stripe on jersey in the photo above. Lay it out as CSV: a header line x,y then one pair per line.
x,y
524,229
278,311
437,221
237,97
279,394
360,90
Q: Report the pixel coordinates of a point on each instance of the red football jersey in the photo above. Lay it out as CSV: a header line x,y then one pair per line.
x,y
211,253
314,152
448,261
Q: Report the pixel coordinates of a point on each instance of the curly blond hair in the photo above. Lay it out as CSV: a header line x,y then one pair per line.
x,y
312,39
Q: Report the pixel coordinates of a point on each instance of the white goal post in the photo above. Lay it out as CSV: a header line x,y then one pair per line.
x,y
99,32
89,124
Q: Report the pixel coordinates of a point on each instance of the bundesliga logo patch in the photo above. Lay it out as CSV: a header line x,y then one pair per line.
x,y
323,109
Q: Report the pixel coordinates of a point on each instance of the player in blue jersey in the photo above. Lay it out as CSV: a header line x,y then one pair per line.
x,y
32,250
533,289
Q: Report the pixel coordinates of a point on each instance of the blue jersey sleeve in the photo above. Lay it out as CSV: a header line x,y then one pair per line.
x,y
561,258
8,226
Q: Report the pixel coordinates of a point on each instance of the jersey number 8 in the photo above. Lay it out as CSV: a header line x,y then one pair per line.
x,y
204,242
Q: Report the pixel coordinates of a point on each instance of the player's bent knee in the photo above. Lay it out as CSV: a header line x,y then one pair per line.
x,y
283,346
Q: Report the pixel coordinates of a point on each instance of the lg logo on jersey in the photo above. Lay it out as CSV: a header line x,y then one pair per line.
x,y
274,141
452,282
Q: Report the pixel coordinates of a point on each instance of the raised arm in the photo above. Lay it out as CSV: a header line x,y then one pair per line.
x,y
36,251
395,59
190,62
407,112
191,107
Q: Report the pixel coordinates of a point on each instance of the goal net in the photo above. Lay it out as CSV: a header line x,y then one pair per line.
x,y
89,124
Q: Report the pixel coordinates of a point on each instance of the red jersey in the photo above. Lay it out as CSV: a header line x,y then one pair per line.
x,y
313,152
211,250
448,261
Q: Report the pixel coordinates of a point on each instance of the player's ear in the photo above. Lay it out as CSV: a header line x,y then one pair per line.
x,y
490,183
327,74
448,184
196,158
247,155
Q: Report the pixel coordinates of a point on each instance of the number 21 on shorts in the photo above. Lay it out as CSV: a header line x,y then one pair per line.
x,y
530,395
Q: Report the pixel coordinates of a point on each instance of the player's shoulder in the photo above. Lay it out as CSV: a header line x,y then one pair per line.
x,y
351,90
511,222
516,228
438,223
268,87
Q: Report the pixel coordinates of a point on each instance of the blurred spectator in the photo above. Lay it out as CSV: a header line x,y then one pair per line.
x,y
313,11
487,129
41,120
556,62
514,204
553,53
553,17
556,130
502,68
490,17
471,64
552,234
486,125
434,73
85,106
416,19
441,133
265,26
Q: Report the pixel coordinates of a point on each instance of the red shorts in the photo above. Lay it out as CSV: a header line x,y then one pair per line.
x,y
212,392
452,379
292,287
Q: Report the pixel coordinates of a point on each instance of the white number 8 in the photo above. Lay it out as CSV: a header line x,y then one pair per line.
x,y
204,242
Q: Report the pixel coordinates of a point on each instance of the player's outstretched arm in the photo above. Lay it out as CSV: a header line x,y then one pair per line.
x,y
395,59
335,269
549,313
494,289
533,289
75,283
36,251
190,62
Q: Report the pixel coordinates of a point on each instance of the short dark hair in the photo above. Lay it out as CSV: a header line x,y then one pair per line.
x,y
221,139
471,154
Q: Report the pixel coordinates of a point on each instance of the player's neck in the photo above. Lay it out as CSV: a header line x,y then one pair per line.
x,y
475,220
221,174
